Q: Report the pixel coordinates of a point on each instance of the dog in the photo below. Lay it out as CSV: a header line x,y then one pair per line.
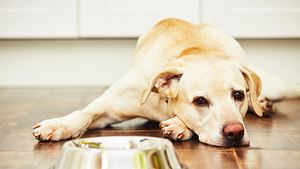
x,y
191,78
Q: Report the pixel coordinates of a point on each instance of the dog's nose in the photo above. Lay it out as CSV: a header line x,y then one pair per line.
x,y
233,132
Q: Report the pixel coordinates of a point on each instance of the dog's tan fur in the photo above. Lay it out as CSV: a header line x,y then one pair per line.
x,y
175,62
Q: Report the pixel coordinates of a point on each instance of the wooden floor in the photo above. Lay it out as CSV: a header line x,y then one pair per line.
x,y
275,140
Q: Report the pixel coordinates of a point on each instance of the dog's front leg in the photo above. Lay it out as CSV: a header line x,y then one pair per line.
x,y
74,124
116,104
69,126
175,129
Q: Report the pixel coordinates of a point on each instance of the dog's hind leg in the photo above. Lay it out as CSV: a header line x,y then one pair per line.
x,y
275,89
118,103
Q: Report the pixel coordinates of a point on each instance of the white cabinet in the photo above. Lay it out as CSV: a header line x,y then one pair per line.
x,y
38,18
255,18
130,18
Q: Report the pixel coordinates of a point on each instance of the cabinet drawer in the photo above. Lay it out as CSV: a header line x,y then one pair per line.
x,y
130,18
38,18
255,18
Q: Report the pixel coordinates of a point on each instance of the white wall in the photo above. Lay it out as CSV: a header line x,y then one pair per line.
x,y
63,62
97,62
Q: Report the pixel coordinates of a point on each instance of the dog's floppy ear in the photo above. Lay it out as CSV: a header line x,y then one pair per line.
x,y
254,88
165,83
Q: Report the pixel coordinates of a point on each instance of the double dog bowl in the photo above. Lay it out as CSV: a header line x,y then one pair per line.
x,y
118,152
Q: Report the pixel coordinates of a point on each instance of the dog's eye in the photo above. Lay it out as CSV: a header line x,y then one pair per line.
x,y
200,101
238,95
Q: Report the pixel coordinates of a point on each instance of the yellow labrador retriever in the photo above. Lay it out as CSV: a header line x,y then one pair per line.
x,y
190,78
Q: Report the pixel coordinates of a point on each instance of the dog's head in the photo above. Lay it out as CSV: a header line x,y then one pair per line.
x,y
211,97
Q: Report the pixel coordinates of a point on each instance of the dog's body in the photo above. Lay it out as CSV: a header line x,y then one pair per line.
x,y
188,77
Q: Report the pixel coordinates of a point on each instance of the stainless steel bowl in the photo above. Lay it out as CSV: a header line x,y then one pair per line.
x,y
118,152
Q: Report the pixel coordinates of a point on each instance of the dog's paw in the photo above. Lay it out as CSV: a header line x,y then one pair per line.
x,y
266,105
53,130
175,129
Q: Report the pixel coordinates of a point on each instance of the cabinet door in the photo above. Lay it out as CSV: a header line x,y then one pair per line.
x,y
130,18
38,18
255,18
